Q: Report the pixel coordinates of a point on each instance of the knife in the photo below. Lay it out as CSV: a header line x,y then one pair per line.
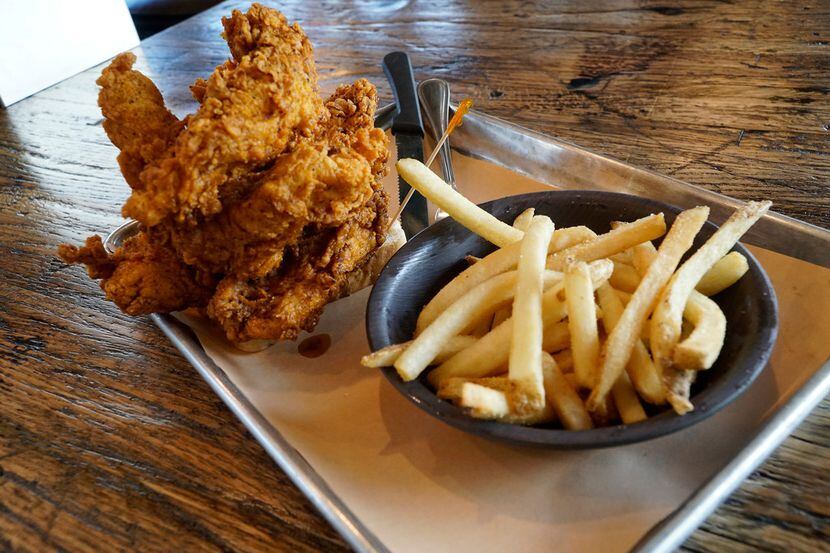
x,y
408,131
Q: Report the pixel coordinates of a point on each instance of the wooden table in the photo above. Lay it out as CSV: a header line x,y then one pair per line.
x,y
108,437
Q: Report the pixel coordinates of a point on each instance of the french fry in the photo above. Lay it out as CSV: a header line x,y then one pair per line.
x,y
484,402
500,261
624,277
582,323
623,257
489,353
488,403
608,414
422,179
640,368
701,348
642,255
566,402
627,402
626,333
385,357
471,259
522,222
564,359
501,315
571,379
614,241
724,273
525,361
625,297
668,314
469,307
679,387
451,389
556,336
482,325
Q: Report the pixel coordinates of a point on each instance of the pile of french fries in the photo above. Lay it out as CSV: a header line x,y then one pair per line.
x,y
567,325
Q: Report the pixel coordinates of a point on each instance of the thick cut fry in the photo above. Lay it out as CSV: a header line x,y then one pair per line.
x,y
522,222
566,402
582,323
422,179
626,333
624,277
642,370
487,355
627,402
501,260
724,273
668,314
469,307
385,357
525,361
614,241
702,347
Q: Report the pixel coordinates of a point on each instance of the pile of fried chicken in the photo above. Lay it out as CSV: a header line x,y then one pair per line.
x,y
257,207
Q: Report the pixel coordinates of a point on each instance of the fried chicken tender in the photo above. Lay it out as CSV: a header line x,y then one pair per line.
x,y
135,118
261,205
322,181
142,276
251,107
313,272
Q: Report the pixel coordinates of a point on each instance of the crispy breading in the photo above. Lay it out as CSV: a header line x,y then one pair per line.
x,y
311,274
142,276
267,202
135,117
251,107
322,181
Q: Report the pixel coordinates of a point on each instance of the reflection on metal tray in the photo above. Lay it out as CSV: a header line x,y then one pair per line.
x,y
567,166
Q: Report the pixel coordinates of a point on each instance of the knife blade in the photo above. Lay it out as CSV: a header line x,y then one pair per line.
x,y
408,131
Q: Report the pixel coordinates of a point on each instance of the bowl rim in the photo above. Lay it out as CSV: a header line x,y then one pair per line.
x,y
659,425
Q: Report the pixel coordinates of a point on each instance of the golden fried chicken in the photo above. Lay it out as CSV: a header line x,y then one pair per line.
x,y
251,107
311,274
261,205
323,181
135,118
142,276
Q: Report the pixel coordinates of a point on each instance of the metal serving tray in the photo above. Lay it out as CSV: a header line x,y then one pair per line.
x,y
566,166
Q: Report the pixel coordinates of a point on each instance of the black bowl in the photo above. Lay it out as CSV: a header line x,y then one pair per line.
x,y
436,255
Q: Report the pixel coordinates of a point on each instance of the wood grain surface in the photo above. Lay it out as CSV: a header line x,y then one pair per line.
x,y
109,440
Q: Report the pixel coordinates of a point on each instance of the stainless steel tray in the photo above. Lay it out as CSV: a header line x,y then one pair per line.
x,y
567,166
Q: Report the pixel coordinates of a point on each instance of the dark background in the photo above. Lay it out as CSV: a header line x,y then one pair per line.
x,y
152,16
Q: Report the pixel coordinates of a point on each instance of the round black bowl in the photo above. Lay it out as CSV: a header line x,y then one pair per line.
x,y
436,255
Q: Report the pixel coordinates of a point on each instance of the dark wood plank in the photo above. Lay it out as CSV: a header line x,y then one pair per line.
x,y
109,439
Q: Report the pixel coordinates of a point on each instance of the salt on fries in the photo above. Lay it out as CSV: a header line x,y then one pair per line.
x,y
497,262
525,362
622,339
668,315
553,326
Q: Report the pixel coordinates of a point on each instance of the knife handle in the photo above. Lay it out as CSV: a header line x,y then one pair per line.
x,y
398,70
